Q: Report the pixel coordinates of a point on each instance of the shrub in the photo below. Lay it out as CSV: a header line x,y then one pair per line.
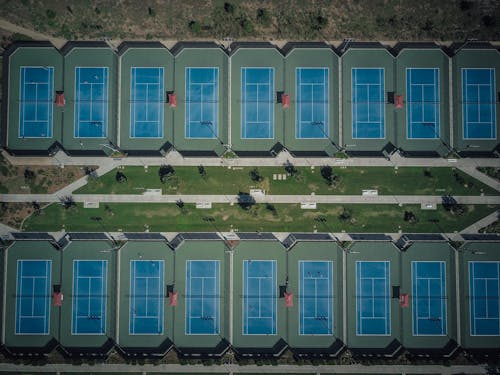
x,y
120,177
151,12
410,217
165,172
345,215
67,201
229,8
263,17
50,14
290,169
255,175
195,27
29,175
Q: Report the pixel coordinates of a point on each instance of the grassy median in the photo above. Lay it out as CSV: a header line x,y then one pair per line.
x,y
259,217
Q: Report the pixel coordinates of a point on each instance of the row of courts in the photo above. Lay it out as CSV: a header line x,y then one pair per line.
x,y
251,98
202,293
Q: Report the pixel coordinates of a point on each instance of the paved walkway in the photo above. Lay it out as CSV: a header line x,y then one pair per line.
x,y
6,25
484,222
485,179
232,369
230,198
176,159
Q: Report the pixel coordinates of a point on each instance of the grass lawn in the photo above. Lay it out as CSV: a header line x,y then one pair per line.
x,y
260,217
220,180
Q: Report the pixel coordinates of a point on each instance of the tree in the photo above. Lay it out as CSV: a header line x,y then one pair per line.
x,y
330,178
36,207
202,171
290,169
245,201
427,172
120,177
165,172
263,17
29,175
345,215
228,7
410,217
270,207
67,201
451,205
255,175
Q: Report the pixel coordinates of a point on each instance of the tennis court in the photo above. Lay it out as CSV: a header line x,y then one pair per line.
x,y
259,297
36,101
312,103
146,297
478,108
146,102
257,107
484,289
367,95
373,307
89,297
33,297
91,102
422,110
202,102
316,297
429,298
202,297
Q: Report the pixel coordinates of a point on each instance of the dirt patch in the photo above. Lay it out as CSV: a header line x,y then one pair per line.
x,y
256,20
13,214
36,179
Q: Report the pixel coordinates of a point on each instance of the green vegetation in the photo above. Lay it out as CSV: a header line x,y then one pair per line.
x,y
271,19
490,171
256,217
492,228
299,180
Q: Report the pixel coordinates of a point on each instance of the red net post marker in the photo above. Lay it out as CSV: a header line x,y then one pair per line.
x,y
172,100
60,101
57,299
288,299
403,300
285,100
172,296
398,101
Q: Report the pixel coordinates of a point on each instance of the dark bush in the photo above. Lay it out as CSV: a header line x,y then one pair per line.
x,y
120,177
255,175
165,172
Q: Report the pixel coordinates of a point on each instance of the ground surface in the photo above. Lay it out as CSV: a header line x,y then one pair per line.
x,y
289,19
260,217
187,180
38,179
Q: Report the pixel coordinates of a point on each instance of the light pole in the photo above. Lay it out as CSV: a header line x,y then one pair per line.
x,y
450,149
210,127
319,125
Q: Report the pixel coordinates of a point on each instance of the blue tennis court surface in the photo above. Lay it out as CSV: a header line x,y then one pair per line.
x,y
146,102
202,102
429,298
312,103
202,297
422,110
89,297
373,307
91,102
368,103
257,107
36,102
259,297
484,290
146,297
478,108
33,297
316,297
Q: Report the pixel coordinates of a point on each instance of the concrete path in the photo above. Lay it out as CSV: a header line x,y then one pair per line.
x,y
485,179
6,25
484,222
176,159
233,369
230,198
